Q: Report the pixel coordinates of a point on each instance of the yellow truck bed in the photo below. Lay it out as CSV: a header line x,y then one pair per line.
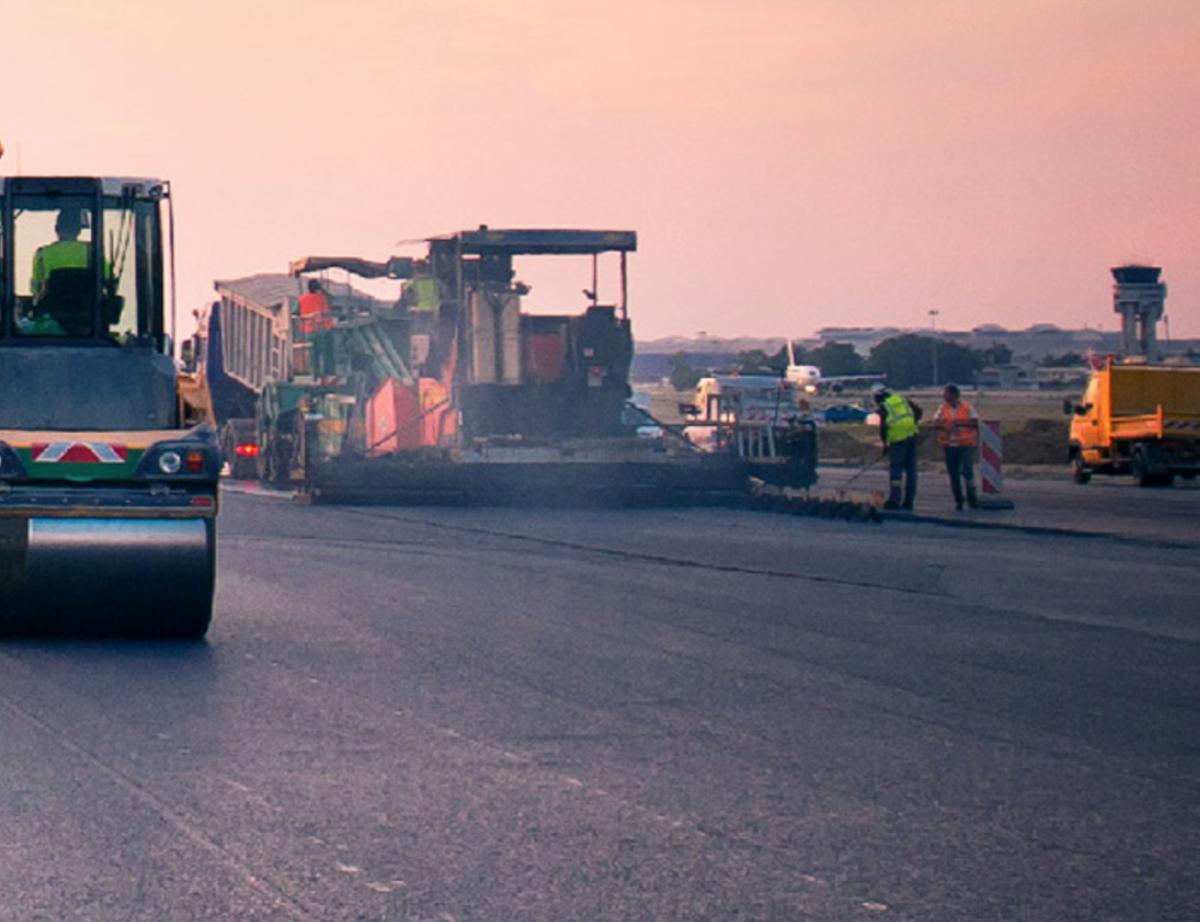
x,y
1141,390
1156,425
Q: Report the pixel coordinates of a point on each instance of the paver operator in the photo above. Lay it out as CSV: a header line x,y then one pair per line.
x,y
898,419
316,320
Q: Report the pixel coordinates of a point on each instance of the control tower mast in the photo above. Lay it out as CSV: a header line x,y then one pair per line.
x,y
1138,296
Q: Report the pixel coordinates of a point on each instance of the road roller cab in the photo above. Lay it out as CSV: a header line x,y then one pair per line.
x,y
107,488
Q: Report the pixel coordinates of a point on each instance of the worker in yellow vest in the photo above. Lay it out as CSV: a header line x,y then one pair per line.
x,y
957,426
67,252
898,419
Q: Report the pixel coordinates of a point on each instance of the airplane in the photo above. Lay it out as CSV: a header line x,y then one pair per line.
x,y
805,377
808,378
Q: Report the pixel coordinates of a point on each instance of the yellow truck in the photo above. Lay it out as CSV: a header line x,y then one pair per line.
x,y
1140,419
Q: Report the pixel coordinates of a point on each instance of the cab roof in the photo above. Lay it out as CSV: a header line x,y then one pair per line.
x,y
109,185
538,241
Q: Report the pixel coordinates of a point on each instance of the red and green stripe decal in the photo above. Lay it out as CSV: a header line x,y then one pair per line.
x,y
79,460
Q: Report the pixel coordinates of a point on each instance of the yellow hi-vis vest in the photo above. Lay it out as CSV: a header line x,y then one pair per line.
x,y
898,414
62,254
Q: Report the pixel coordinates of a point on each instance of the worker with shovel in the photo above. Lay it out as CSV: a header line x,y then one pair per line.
x,y
898,419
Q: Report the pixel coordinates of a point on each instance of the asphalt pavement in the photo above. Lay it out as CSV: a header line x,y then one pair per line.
x,y
1113,507
479,714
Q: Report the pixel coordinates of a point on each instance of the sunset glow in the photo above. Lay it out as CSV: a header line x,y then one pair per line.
x,y
787,165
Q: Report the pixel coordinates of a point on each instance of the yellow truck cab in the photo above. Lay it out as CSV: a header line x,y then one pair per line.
x,y
1140,419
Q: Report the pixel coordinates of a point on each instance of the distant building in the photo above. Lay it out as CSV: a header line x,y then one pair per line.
x,y
1070,378
1002,377
863,339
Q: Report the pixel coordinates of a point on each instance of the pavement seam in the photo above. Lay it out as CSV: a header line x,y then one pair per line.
x,y
274,894
644,556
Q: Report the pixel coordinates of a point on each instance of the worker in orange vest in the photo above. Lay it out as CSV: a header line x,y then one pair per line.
x,y
315,312
957,426
316,320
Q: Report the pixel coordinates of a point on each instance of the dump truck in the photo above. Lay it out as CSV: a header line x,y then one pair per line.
x,y
448,391
108,475
1138,419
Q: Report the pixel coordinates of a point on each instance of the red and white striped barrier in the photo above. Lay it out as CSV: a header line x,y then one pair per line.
x,y
991,453
991,475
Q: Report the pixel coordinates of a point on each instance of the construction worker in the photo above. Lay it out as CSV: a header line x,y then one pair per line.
x,y
898,419
67,252
316,320
957,426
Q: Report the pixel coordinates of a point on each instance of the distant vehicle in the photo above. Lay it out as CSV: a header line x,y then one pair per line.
x,y
239,448
845,413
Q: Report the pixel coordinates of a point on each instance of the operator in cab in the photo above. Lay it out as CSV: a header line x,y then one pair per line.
x,y
67,252
60,290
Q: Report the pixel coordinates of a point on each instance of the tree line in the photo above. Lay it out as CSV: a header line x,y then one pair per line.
x,y
908,360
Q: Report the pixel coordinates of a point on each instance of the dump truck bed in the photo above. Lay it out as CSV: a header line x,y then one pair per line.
x,y
1154,402
1138,390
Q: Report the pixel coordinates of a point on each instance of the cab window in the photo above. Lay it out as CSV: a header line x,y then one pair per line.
x,y
53,277
58,291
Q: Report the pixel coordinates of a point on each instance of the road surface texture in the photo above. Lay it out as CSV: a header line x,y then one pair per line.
x,y
425,714
1109,506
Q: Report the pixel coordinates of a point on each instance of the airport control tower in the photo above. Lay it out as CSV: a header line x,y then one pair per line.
x,y
1138,296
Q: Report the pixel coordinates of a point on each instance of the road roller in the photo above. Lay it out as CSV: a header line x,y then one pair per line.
x,y
108,479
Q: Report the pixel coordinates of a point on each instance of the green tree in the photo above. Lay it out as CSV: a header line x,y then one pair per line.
x,y
996,354
757,362
908,360
835,359
683,375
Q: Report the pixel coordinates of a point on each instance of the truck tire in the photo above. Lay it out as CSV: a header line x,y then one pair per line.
x,y
1139,466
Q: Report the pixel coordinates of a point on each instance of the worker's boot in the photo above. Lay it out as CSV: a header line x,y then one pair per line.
x,y
972,498
893,500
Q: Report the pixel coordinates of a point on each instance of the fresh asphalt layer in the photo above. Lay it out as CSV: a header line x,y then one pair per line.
x,y
642,714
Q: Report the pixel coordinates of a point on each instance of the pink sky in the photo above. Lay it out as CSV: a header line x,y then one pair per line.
x,y
788,164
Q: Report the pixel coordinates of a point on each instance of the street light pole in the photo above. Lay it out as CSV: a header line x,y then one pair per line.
x,y
933,314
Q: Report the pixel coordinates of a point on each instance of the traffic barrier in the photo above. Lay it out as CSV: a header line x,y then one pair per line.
x,y
991,473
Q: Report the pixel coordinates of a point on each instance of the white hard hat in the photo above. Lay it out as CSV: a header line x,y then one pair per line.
x,y
878,388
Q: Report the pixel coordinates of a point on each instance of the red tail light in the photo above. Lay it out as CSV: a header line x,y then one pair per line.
x,y
246,450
